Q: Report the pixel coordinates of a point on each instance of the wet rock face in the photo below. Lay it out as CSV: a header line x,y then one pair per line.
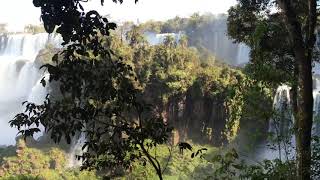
x,y
201,119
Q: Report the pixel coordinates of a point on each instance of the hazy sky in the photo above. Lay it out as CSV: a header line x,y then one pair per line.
x,y
17,13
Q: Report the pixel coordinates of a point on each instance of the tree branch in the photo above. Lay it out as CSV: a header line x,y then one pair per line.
x,y
152,160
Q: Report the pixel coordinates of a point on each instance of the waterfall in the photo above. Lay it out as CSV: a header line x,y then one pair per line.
x,y
282,123
281,141
154,38
243,54
76,150
20,77
282,107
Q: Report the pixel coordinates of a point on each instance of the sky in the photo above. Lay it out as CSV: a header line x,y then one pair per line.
x,y
17,13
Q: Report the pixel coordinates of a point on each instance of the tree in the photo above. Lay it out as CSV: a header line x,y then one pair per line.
x,y
96,95
299,19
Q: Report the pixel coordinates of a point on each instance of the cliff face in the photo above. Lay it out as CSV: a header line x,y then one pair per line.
x,y
199,118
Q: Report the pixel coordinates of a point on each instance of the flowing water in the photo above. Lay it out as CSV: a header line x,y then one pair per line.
x,y
19,77
281,142
281,125
20,81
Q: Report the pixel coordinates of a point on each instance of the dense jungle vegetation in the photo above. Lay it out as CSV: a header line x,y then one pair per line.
x,y
172,110
186,88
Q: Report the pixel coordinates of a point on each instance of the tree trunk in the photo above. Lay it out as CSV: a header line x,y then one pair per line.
x,y
304,116
303,44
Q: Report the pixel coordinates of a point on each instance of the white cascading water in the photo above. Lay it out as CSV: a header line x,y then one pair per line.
x,y
154,38
76,150
20,81
281,142
282,103
316,107
243,54
19,77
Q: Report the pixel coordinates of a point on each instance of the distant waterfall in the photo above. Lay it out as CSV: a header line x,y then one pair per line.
x,y
242,54
154,38
225,49
215,40
19,77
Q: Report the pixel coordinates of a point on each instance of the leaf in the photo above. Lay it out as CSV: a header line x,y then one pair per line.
x,y
184,145
43,82
37,3
112,26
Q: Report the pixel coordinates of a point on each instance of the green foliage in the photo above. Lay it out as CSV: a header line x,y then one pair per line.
x,y
177,165
271,57
229,166
254,99
101,79
96,91
282,46
41,163
20,177
6,151
166,70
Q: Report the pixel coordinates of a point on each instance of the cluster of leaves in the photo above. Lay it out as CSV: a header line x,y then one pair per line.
x,y
179,166
165,70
